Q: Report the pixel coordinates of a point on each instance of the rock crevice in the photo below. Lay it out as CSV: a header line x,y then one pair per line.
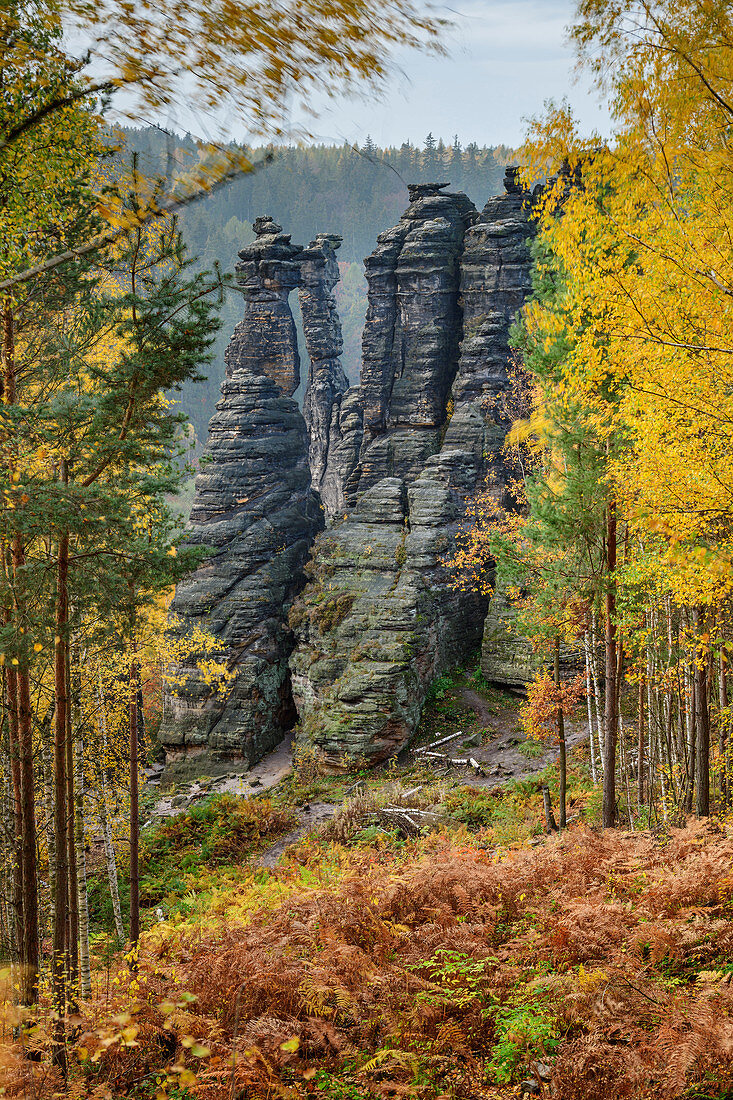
x,y
326,379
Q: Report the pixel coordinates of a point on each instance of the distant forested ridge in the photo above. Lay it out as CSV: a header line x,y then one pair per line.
x,y
357,192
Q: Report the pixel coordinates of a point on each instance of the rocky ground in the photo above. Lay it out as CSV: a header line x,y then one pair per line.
x,y
482,726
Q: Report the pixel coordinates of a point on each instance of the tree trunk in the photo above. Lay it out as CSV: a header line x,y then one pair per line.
x,y
597,691
109,851
73,910
8,862
550,822
593,773
24,731
702,723
134,811
60,805
61,906
611,709
11,696
85,975
561,738
30,879
723,726
47,762
640,746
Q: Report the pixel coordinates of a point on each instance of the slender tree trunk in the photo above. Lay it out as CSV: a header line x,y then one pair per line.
x,y
691,740
47,761
597,691
611,709
11,679
73,910
134,811
8,345
561,738
60,804
640,746
30,952
550,822
594,774
84,965
11,696
702,763
109,851
624,759
7,866
30,879
723,726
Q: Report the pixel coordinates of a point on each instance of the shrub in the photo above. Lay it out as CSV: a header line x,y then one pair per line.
x,y
438,689
522,1033
332,610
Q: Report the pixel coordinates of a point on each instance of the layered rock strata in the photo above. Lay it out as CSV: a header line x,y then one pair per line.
x,y
507,656
257,515
265,340
379,619
255,512
327,382
411,336
496,267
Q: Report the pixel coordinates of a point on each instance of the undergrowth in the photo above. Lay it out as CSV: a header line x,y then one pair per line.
x,y
446,969
194,852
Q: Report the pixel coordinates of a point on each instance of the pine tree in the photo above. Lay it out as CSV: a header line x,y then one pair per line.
x,y
430,165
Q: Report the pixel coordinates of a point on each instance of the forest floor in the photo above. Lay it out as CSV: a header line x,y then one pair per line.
x,y
481,721
410,932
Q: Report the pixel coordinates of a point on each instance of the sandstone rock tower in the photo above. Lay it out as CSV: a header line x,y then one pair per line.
x,y
351,652
379,620
255,512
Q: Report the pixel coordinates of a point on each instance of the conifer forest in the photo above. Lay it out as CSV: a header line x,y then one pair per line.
x,y
366,530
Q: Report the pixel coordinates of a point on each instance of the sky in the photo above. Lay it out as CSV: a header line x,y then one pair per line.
x,y
506,57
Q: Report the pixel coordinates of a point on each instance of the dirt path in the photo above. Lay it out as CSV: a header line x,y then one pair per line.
x,y
498,756
476,702
267,773
310,817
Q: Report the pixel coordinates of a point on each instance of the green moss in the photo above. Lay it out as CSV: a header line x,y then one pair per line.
x,y
331,610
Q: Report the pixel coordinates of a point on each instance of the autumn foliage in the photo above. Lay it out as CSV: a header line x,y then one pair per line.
x,y
436,975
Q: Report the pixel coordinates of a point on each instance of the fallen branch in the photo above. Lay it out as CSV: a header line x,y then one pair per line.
x,y
442,741
447,759
406,810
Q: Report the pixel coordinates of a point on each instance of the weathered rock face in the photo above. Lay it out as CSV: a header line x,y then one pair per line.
x,y
326,379
394,461
379,621
495,281
411,335
254,509
507,657
265,340
345,436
